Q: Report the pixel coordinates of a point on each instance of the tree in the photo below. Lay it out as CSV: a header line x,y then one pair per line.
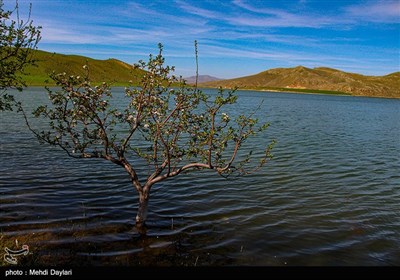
x,y
17,40
184,129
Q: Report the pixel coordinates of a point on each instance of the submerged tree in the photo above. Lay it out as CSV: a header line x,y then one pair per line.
x,y
17,40
175,128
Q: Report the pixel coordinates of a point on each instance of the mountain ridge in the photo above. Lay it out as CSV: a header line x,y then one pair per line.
x,y
319,79
201,79
298,79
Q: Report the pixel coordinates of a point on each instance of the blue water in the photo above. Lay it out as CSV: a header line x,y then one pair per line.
x,y
331,196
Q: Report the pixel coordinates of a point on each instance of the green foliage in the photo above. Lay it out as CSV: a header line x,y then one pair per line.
x,y
303,90
183,128
17,40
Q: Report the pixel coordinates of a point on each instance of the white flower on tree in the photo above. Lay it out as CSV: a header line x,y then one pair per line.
x,y
184,137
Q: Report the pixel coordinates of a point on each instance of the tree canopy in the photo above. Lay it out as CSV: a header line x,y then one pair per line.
x,y
17,40
182,128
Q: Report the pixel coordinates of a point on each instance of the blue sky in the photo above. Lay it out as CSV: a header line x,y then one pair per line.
x,y
236,37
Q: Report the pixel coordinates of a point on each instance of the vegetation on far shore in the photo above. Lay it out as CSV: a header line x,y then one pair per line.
x,y
296,90
300,79
303,90
111,70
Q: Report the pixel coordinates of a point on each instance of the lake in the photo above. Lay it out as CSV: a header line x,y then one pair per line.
x,y
331,196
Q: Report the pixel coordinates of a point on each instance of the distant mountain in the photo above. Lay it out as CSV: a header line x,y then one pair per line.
x,y
110,70
201,79
299,78
320,79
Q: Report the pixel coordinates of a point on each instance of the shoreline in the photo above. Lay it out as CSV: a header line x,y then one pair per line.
x,y
312,92
307,92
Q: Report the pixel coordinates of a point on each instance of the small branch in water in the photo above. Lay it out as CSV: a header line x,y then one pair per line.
x,y
195,263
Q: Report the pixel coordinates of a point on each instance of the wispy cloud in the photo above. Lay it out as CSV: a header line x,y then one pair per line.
x,y
378,11
279,33
289,56
267,11
205,13
248,15
52,34
272,17
138,9
288,21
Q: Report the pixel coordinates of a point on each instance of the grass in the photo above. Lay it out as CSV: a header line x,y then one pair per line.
x,y
297,90
46,247
111,70
307,90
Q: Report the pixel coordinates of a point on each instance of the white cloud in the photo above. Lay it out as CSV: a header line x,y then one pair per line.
x,y
295,57
241,29
52,34
268,17
205,13
377,11
250,8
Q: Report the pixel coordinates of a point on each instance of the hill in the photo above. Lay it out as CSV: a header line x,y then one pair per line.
x,y
110,70
322,79
201,79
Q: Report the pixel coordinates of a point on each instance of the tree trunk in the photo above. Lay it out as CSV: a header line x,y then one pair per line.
x,y
143,192
142,209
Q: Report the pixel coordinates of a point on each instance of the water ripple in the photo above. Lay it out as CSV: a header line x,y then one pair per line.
x,y
330,197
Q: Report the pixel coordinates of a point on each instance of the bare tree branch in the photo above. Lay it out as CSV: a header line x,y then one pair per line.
x,y
172,129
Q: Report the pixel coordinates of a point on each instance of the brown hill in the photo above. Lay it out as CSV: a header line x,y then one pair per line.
x,y
321,79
